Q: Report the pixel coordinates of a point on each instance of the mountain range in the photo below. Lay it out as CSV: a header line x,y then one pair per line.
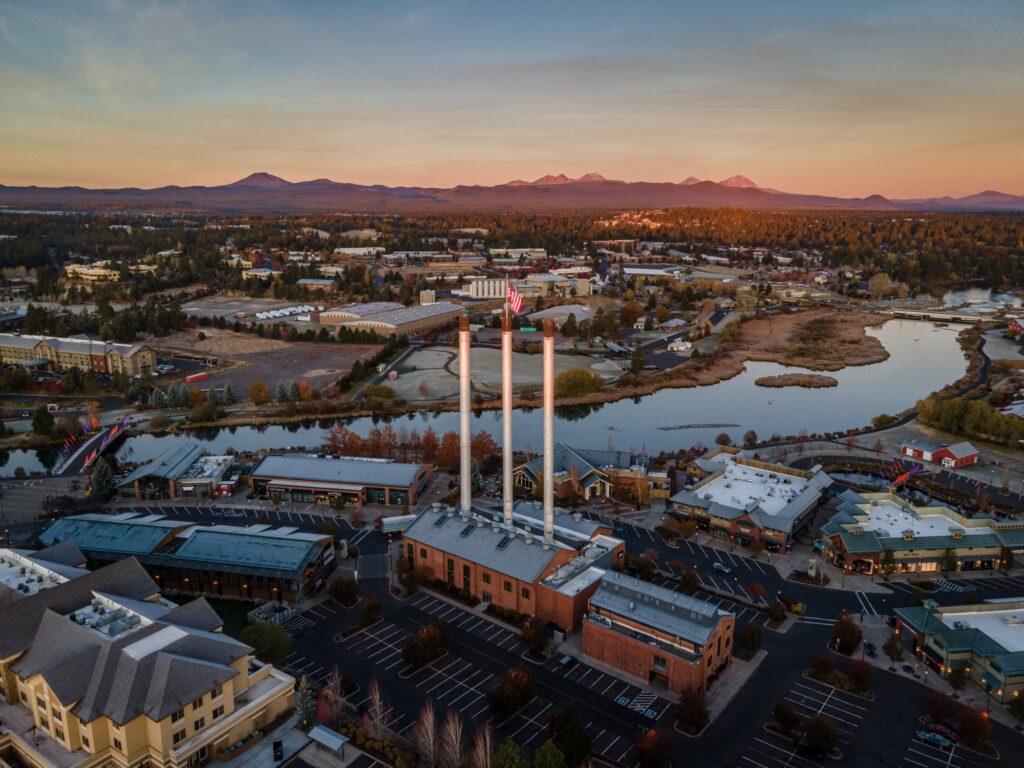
x,y
265,193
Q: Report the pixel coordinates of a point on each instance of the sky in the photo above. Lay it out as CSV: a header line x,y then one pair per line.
x,y
906,99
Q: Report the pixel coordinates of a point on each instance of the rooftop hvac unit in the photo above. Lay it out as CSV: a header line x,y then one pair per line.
x,y
1011,620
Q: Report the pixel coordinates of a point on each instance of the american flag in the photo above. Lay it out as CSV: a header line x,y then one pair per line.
x,y
515,301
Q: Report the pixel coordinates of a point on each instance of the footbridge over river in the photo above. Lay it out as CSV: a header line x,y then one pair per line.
x,y
936,315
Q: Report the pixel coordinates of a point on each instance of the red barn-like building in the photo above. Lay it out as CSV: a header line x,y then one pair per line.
x,y
949,456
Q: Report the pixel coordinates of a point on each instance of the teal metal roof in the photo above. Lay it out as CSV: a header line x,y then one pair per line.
x,y
169,465
114,534
278,550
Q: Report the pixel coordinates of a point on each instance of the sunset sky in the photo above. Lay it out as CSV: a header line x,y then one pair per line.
x,y
901,98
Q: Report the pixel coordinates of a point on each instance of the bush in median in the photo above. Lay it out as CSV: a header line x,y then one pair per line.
x,y
424,646
511,693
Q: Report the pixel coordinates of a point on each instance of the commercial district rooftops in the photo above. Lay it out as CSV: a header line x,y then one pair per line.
x,y
663,609
772,495
155,540
25,572
994,630
338,469
872,522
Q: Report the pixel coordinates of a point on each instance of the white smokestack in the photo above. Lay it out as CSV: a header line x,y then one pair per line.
x,y
465,437
549,432
506,409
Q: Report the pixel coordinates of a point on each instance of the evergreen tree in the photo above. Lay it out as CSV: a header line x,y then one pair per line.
x,y
548,756
102,480
305,703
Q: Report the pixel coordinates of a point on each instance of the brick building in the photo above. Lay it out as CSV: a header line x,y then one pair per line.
x,y
516,570
657,634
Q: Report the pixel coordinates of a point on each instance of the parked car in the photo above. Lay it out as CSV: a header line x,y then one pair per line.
x,y
565,664
721,567
935,739
945,731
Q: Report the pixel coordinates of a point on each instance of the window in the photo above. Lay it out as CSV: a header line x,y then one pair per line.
x,y
508,586
197,703
218,712
44,723
40,703
24,698
200,723
217,691
59,734
179,736
85,741
486,597
423,553
56,714
526,593
118,747
486,578
410,551
659,663
719,651
176,716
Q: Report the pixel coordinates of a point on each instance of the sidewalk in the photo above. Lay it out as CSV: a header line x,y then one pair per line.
x,y
876,631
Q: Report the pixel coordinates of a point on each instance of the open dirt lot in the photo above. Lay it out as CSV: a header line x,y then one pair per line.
x,y
432,374
245,358
229,306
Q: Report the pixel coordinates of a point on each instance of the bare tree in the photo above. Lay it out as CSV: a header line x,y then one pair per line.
x,y
424,734
378,714
332,698
483,747
450,742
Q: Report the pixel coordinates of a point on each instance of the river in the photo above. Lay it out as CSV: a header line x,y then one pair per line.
x,y
922,359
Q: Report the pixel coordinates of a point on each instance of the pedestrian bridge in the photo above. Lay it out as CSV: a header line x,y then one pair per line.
x,y
936,315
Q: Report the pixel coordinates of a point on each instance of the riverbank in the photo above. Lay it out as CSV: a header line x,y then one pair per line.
x,y
808,380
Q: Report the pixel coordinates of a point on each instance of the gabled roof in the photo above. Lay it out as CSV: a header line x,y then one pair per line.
x,y
170,465
21,619
584,460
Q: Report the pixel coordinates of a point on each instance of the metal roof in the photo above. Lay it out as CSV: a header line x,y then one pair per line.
x,y
170,465
347,470
125,534
662,609
232,545
479,543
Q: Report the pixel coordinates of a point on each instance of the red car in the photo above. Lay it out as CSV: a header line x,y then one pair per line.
x,y
944,730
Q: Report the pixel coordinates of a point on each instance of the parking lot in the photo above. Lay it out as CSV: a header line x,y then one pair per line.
x,y
921,754
650,705
768,749
958,584
461,618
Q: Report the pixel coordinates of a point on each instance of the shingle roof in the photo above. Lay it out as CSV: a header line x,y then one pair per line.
x,y
657,607
21,619
338,469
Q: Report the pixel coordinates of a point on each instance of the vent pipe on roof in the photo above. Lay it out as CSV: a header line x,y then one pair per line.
x,y
465,437
506,417
549,438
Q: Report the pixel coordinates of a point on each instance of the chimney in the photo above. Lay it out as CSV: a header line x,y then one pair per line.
x,y
465,438
506,411
549,438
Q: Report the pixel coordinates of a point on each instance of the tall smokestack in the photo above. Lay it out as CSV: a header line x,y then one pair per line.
x,y
506,422
549,432
465,438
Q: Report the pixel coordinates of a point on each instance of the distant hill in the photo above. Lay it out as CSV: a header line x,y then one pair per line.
x,y
263,192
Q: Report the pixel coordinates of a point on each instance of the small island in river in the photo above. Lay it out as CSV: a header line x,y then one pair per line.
x,y
809,380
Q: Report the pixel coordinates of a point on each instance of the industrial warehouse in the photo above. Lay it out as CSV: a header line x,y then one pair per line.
x,y
750,502
322,478
257,562
875,532
391,319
